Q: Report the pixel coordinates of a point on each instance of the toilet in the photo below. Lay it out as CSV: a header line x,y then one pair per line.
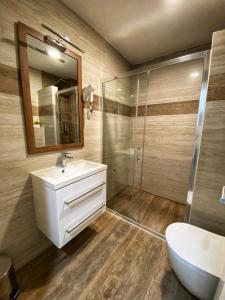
x,y
197,257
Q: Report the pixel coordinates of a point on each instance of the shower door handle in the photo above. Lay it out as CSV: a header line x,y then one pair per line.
x,y
222,197
138,153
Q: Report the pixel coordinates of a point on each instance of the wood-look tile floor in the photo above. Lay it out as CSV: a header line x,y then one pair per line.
x,y
147,209
111,259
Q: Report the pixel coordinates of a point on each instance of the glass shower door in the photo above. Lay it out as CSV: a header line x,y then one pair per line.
x,y
123,136
149,125
138,119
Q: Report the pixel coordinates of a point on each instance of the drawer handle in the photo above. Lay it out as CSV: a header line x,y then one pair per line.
x,y
89,217
93,191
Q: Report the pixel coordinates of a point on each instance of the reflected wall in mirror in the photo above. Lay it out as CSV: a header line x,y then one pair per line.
x,y
51,82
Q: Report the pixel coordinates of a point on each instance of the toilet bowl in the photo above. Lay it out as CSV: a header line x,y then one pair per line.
x,y
197,257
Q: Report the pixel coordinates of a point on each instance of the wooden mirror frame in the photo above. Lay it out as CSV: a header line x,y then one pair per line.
x,y
23,31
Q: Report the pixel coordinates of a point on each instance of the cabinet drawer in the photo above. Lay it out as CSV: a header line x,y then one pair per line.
x,y
71,230
87,190
83,209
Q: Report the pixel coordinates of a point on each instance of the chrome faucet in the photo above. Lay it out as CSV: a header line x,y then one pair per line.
x,y
62,160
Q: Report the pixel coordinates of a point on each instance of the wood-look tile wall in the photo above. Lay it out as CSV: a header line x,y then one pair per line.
x,y
19,236
166,136
172,98
173,83
168,151
206,211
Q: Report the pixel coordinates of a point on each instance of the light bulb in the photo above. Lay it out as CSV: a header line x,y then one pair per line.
x,y
195,74
53,52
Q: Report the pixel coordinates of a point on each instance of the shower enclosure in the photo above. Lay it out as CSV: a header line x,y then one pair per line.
x,y
150,121
67,108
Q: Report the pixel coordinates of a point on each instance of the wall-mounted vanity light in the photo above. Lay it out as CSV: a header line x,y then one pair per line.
x,y
58,43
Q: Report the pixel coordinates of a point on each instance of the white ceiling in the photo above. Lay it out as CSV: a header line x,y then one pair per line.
x,y
142,30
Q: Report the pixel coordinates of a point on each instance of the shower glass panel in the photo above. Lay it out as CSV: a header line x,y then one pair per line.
x,y
149,130
173,100
123,139
171,120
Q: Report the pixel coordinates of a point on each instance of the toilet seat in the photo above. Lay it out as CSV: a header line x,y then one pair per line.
x,y
202,249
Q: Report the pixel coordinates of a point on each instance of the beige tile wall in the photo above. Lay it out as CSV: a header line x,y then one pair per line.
x,y
168,150
169,133
174,83
35,85
19,236
206,211
165,137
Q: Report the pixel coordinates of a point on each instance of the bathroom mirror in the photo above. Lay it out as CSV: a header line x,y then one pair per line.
x,y
51,86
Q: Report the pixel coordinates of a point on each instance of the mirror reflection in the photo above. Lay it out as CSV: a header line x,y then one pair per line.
x,y
54,94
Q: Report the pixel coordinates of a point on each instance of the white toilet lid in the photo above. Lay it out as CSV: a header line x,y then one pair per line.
x,y
199,247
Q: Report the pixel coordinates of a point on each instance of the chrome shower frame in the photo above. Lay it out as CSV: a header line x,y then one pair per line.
x,y
200,119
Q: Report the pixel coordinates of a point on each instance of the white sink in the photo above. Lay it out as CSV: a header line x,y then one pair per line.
x,y
57,177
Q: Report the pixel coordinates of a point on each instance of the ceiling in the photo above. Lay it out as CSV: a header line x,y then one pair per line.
x,y
142,30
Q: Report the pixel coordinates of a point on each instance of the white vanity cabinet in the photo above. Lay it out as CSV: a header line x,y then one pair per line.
x,y
68,200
